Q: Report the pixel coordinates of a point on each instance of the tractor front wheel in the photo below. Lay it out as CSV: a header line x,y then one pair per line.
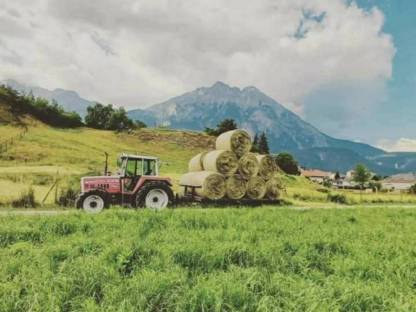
x,y
154,195
93,202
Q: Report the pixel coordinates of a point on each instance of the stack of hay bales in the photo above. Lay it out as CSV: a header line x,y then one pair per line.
x,y
232,171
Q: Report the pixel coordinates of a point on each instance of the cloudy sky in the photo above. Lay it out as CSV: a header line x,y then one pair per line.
x,y
347,67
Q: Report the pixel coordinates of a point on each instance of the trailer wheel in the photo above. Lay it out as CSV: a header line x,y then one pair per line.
x,y
93,202
154,195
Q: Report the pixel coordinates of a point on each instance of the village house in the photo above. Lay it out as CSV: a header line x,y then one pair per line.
x,y
317,175
399,182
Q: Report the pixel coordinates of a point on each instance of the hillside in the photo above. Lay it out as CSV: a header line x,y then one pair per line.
x,y
257,112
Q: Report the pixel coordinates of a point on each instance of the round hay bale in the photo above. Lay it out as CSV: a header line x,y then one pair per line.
x,y
256,188
237,141
224,162
274,188
236,186
267,166
208,184
196,163
248,165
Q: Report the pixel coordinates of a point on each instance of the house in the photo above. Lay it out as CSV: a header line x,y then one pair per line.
x,y
317,175
399,182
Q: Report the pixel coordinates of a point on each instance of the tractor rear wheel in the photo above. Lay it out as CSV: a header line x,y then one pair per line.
x,y
93,202
154,195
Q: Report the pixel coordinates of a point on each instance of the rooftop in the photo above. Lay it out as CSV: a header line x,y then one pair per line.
x,y
316,173
401,178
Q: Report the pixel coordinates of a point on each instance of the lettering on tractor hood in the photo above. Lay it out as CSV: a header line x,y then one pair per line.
x,y
109,184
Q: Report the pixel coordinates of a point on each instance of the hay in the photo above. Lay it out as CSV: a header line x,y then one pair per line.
x,y
237,141
208,184
248,165
267,166
196,163
224,162
274,188
236,187
256,188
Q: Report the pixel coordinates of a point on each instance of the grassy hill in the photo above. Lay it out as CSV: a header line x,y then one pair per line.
x,y
45,152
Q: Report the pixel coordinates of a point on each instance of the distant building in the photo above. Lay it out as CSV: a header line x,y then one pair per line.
x,y
349,176
316,175
399,182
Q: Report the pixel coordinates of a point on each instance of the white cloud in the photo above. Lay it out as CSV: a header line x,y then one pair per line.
x,y
400,145
138,52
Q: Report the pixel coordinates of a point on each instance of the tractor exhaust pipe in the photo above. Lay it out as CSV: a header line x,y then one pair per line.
x,y
106,164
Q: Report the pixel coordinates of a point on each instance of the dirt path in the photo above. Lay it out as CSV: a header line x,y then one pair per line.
x,y
35,212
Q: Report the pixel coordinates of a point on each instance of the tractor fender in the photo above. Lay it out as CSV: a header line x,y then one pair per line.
x,y
148,179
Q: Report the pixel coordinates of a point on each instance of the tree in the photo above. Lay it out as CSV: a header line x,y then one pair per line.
x,y
223,126
376,178
98,116
140,124
287,163
107,118
255,146
361,175
263,144
412,189
119,120
337,176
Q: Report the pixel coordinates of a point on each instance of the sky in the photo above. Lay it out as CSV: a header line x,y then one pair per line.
x,y
347,67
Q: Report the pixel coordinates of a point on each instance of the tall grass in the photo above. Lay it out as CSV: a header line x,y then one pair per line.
x,y
266,259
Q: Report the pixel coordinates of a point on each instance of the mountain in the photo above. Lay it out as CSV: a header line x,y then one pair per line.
x,y
69,100
255,111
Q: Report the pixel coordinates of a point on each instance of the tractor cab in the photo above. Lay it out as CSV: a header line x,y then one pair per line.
x,y
133,167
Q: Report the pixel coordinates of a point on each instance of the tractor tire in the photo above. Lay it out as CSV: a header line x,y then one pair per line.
x,y
154,195
93,202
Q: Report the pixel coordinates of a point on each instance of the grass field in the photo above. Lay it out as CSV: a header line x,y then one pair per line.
x,y
268,259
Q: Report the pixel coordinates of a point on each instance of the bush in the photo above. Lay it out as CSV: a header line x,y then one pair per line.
x,y
337,198
26,200
67,197
412,189
223,126
287,163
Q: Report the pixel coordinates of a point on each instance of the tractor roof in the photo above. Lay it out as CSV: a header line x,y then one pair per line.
x,y
138,157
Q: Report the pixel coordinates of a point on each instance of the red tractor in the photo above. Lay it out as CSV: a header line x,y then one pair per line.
x,y
137,184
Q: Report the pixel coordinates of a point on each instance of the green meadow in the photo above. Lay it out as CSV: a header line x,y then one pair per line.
x,y
265,259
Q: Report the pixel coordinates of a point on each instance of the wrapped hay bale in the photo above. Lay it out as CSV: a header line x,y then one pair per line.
x,y
274,188
267,166
196,163
236,187
208,184
237,141
248,165
256,188
224,162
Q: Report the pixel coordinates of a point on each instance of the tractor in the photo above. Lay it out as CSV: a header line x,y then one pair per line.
x,y
137,183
